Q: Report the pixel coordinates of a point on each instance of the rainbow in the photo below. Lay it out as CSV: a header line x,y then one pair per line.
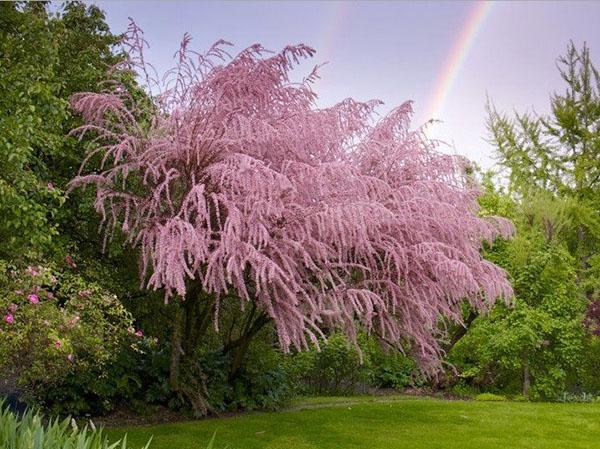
x,y
456,58
333,28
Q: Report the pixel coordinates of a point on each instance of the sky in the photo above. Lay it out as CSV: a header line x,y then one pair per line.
x,y
446,57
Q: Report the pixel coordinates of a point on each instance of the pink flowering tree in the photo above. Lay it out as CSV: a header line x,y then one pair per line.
x,y
236,186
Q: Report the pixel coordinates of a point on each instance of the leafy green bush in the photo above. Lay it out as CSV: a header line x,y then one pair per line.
x,y
333,370
30,432
261,384
490,397
338,369
540,336
59,337
388,368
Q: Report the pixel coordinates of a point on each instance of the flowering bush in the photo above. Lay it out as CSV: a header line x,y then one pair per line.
x,y
55,326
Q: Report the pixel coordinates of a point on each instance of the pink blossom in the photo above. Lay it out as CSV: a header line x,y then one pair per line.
x,y
12,308
139,333
33,298
50,295
70,358
50,186
58,344
32,271
9,318
70,262
336,216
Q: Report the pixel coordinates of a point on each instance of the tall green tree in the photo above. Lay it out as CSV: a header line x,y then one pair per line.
x,y
536,343
559,153
46,57
551,168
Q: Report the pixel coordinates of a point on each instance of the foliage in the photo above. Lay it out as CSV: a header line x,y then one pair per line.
x,y
240,185
261,384
30,431
558,155
42,65
335,368
389,368
338,367
59,334
490,397
552,173
538,340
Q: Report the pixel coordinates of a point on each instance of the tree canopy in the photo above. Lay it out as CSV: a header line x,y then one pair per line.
x,y
323,217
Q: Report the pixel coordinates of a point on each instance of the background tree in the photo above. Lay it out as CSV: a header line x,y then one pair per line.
x,y
46,57
239,188
551,167
560,154
537,344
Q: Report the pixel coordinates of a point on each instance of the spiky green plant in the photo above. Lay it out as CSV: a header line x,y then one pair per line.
x,y
30,431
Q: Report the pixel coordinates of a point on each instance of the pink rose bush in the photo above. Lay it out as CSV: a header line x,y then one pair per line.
x,y
50,316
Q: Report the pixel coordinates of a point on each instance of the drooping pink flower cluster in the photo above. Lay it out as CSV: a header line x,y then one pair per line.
x,y
323,216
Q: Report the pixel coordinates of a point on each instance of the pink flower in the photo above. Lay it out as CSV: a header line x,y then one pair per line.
x,y
9,318
139,333
50,186
58,344
70,358
32,271
13,308
70,261
33,298
50,295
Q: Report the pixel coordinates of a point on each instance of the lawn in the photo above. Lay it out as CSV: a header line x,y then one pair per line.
x,y
388,423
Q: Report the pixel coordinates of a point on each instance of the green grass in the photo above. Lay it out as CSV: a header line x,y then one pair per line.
x,y
390,423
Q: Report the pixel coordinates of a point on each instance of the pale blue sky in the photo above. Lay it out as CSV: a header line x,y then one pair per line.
x,y
393,51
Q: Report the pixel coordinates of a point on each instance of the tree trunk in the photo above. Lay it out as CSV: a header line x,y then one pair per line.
x,y
176,350
238,348
526,378
461,331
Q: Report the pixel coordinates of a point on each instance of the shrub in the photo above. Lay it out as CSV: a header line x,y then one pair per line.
x,y
29,431
334,369
261,384
338,369
490,397
577,398
388,368
59,335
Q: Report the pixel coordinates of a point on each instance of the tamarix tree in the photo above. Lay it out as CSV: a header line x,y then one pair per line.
x,y
234,185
